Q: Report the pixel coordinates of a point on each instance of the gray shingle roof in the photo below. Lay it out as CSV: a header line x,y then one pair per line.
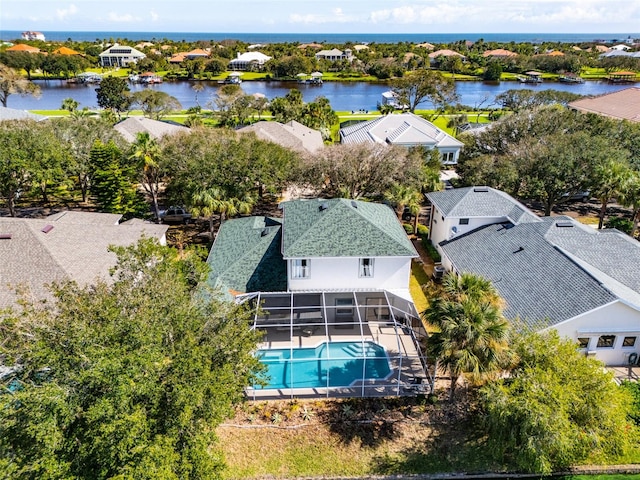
x,y
14,114
399,129
76,248
345,228
480,202
131,126
246,257
292,135
539,283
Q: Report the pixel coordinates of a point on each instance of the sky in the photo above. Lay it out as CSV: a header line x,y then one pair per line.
x,y
324,16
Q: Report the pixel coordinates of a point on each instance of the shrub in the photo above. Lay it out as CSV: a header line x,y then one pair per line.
x,y
431,250
408,228
423,231
623,224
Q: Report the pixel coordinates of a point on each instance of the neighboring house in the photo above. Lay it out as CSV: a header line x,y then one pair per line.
x,y
120,56
334,55
499,53
64,246
249,60
326,245
552,272
622,105
620,53
621,47
407,130
433,56
131,126
65,51
291,135
427,45
33,35
23,47
7,113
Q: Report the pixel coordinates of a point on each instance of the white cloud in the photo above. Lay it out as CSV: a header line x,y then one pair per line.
x,y
337,16
154,16
122,18
64,13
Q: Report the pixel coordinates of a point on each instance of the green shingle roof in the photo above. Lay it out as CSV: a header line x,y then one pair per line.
x,y
342,228
246,256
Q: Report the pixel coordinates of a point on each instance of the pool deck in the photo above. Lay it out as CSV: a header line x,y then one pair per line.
x,y
404,358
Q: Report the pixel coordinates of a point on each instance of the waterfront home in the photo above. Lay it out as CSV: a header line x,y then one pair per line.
x,y
249,61
69,245
552,272
407,130
334,55
292,135
621,105
329,282
120,56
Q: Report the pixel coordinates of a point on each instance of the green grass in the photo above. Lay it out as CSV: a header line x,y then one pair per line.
x,y
416,281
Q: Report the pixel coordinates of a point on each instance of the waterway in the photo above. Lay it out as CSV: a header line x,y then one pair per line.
x,y
343,96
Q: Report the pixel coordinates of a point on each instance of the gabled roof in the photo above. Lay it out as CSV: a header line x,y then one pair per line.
x,y
623,104
131,126
334,52
116,49
7,113
445,53
540,285
198,52
499,52
342,228
75,248
292,135
250,57
65,51
246,256
399,129
469,202
23,47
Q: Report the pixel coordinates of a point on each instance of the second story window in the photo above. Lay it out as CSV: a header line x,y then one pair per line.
x,y
300,268
366,267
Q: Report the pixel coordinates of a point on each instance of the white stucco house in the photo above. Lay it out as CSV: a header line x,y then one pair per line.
x,y
334,55
552,272
406,130
248,60
120,56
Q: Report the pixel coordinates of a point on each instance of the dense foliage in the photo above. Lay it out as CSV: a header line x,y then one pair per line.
x,y
557,408
125,379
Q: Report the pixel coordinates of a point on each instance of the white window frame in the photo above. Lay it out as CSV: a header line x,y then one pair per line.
x,y
365,269
300,268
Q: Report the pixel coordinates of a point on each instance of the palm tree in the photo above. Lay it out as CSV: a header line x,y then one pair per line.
x,y
147,153
630,197
215,200
609,178
471,336
400,197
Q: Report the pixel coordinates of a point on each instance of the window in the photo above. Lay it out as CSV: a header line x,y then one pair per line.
x,y
629,342
366,267
583,342
606,341
301,268
464,221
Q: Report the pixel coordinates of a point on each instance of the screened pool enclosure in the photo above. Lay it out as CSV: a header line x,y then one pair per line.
x,y
364,343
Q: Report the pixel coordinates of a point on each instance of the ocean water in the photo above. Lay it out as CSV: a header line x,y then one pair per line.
x,y
337,38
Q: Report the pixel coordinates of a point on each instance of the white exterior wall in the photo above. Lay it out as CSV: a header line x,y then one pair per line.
x,y
617,319
389,273
441,230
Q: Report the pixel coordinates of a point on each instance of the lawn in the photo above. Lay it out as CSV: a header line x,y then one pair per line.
x,y
418,278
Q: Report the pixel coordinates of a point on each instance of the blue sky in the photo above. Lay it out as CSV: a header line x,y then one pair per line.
x,y
324,16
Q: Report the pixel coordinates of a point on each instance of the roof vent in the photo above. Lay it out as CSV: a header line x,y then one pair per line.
x,y
264,232
520,249
323,206
47,228
5,236
481,189
564,224
354,204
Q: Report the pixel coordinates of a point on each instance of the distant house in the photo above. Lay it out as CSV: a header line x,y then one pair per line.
x,y
29,35
407,130
427,45
248,61
197,53
15,114
552,272
291,135
131,126
621,47
120,56
499,53
622,105
334,55
434,56
23,47
65,246
65,51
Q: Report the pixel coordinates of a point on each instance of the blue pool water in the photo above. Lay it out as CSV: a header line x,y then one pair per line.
x,y
333,364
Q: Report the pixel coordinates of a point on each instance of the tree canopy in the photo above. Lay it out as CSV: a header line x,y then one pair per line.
x,y
125,379
12,82
423,85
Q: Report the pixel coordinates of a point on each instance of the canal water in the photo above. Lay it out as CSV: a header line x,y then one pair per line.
x,y
343,96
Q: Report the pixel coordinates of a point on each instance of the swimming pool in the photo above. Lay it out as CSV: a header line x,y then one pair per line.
x,y
330,364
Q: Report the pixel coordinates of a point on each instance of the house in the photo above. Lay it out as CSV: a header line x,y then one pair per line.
x,y
33,36
407,130
334,55
23,47
65,51
291,135
7,113
120,56
621,47
131,126
328,287
622,105
499,53
434,56
552,272
65,246
248,61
